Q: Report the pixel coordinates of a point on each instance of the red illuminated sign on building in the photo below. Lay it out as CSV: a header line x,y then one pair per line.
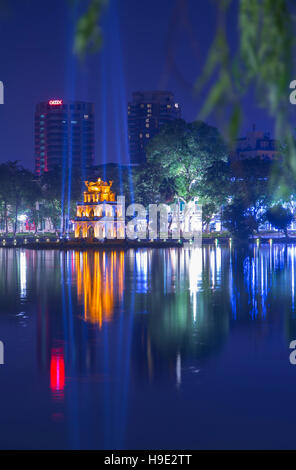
x,y
55,102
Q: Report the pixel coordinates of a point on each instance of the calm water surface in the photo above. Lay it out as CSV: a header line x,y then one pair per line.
x,y
172,348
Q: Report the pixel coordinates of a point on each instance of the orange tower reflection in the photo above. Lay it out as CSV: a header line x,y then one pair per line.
x,y
100,278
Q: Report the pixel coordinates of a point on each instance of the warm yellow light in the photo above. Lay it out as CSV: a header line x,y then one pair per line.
x,y
95,284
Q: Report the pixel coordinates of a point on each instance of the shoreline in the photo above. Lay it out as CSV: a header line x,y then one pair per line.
x,y
45,243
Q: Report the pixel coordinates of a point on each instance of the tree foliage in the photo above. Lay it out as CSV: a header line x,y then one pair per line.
x,y
249,196
19,190
279,217
182,154
238,220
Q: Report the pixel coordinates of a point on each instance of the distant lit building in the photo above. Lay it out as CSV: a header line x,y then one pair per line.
x,y
64,132
97,214
147,112
256,144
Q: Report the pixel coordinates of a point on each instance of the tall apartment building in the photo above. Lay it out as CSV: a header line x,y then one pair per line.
x,y
64,132
256,144
147,112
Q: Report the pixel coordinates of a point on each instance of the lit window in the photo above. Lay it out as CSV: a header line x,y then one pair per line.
x,y
176,105
147,125
140,135
147,135
148,105
85,116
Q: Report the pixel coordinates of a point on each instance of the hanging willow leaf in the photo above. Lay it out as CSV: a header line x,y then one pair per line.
x,y
213,61
217,95
88,36
263,62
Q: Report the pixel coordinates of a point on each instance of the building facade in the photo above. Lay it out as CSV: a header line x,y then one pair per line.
x,y
147,112
64,134
256,144
97,214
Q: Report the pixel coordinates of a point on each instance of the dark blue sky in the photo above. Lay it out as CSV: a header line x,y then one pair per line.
x,y
148,44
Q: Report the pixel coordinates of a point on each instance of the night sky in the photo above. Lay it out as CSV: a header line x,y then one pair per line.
x,y
148,44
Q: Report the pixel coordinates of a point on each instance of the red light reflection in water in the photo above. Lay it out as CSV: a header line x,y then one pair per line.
x,y
57,373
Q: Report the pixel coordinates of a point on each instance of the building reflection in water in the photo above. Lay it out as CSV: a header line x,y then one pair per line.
x,y
142,271
99,283
57,373
23,274
147,315
178,284
292,265
181,323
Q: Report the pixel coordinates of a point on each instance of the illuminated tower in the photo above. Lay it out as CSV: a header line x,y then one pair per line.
x,y
63,133
96,215
147,112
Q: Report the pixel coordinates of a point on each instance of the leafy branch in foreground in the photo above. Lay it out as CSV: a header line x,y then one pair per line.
x,y
263,62
88,37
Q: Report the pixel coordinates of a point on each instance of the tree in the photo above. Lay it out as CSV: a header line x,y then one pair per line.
x,y
6,190
182,153
279,217
238,220
25,192
148,181
208,210
18,191
250,184
213,190
61,190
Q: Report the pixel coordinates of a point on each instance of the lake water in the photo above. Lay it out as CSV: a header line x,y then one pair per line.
x,y
148,349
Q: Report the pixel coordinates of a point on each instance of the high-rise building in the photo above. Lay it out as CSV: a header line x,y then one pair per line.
x,y
147,112
64,132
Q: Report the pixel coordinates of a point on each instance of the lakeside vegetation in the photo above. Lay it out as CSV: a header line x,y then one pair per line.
x,y
184,161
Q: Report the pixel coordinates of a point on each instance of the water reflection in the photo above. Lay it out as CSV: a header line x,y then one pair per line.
x,y
57,373
182,288
184,285
96,289
105,326
23,275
